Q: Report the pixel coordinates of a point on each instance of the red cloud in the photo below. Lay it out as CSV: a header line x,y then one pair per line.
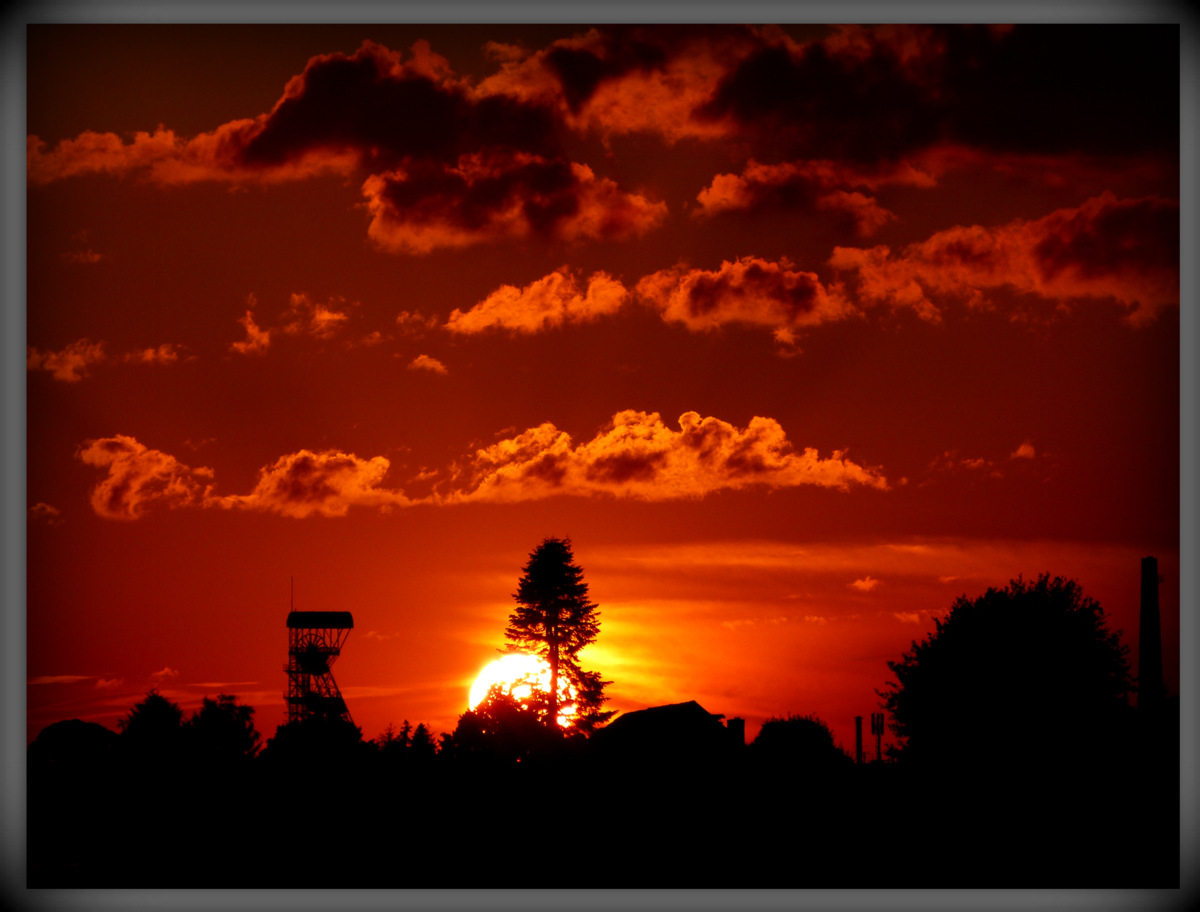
x,y
751,291
257,340
550,301
69,365
500,196
481,165
44,512
1127,250
427,363
339,114
625,80
812,184
164,158
163,354
326,483
637,456
72,364
139,477
302,316
322,321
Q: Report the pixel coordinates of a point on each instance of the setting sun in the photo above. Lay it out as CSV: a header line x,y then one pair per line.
x,y
517,674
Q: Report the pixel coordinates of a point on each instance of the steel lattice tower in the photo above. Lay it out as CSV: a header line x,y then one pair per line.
x,y
315,640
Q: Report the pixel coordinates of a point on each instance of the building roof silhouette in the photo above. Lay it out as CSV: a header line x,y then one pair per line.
x,y
673,728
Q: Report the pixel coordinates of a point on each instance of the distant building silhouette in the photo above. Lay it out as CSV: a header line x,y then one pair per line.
x,y
1150,687
671,732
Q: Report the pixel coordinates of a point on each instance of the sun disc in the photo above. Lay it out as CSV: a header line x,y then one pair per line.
x,y
516,674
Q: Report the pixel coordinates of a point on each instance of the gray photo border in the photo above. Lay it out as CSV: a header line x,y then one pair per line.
x,y
13,404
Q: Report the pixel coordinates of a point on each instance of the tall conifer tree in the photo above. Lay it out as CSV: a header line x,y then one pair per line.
x,y
555,619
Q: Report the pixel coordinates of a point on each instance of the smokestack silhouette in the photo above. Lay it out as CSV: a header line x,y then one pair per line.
x,y
858,751
1150,688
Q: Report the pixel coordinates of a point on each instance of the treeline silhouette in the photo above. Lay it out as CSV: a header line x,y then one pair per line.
x,y
1021,764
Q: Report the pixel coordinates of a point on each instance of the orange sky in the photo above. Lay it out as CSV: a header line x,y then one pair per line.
x,y
798,334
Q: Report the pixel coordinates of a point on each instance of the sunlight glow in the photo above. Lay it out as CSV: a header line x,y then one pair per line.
x,y
518,674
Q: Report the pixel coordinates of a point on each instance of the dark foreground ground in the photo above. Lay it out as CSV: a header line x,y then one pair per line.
x,y
582,821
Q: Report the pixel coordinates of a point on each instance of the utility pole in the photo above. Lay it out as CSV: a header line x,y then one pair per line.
x,y
877,731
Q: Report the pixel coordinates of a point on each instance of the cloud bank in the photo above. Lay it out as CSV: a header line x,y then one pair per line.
x,y
1126,250
636,455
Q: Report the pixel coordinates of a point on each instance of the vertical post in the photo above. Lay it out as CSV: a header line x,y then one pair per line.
x,y
858,751
1151,692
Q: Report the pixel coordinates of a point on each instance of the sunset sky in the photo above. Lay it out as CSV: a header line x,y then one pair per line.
x,y
797,332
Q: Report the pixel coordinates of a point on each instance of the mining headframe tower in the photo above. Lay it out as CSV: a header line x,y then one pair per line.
x,y
315,641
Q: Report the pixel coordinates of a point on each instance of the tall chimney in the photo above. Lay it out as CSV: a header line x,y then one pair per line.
x,y
1150,688
858,752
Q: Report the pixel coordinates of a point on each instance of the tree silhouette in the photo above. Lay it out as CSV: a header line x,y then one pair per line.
x,y
555,619
422,746
153,727
223,730
393,742
499,730
1021,673
320,739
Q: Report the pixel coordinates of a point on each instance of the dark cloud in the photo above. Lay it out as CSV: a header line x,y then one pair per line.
x,y
1121,236
550,468
871,94
619,468
709,292
750,291
1105,248
544,192
498,195
581,70
389,110
812,102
